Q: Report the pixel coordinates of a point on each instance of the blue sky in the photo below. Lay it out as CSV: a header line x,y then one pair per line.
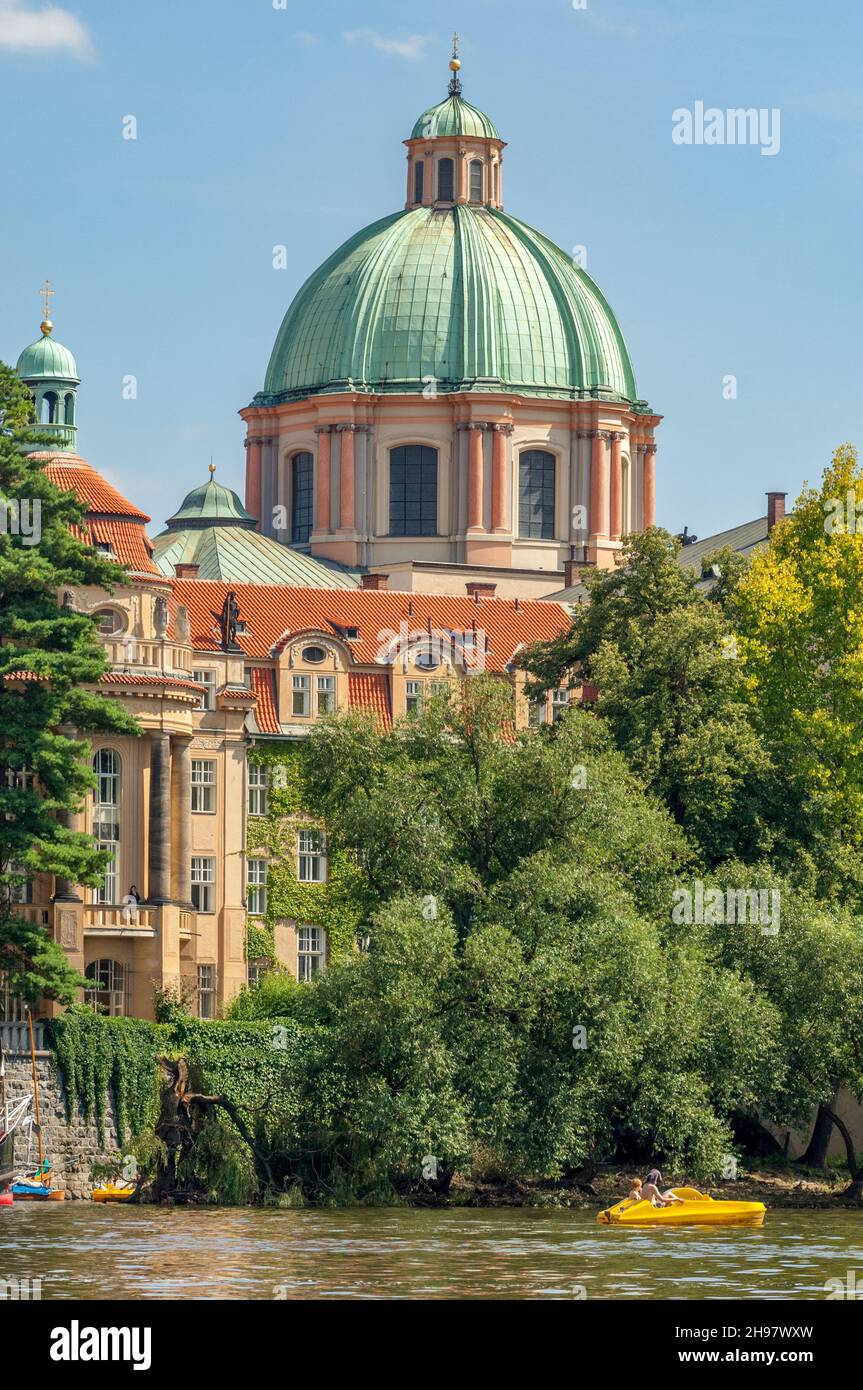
x,y
260,126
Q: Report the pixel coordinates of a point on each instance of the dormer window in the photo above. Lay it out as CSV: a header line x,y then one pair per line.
x,y
105,548
109,622
352,633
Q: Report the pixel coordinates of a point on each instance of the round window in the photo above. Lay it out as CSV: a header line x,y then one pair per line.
x,y
109,622
314,654
427,658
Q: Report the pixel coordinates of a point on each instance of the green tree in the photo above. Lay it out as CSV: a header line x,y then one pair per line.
x,y
671,692
799,613
49,653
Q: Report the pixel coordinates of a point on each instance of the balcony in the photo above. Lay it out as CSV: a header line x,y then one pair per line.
x,y
101,919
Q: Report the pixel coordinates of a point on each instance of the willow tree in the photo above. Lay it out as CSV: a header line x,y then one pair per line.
x,y
49,654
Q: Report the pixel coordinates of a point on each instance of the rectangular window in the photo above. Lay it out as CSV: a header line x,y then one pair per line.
x,y
12,1006
326,694
476,181
537,713
259,789
312,860
203,785
413,491
439,689
414,697
301,498
559,704
255,973
536,494
203,883
301,695
256,878
419,171
311,952
206,991
208,695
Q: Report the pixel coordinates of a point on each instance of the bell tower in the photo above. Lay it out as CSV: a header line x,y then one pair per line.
x,y
49,369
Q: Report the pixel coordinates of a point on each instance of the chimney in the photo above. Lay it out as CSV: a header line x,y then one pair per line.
x,y
479,588
184,570
374,581
775,509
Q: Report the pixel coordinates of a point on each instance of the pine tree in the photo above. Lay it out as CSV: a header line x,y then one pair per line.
x,y
49,655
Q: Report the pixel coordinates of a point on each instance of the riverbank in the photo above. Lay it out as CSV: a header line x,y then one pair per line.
x,y
783,1186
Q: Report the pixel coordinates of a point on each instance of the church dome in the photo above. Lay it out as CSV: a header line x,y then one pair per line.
x,y
466,295
454,116
211,504
49,359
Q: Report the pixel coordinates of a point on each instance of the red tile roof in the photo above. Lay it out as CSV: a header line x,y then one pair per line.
x,y
273,614
109,516
370,693
132,678
263,687
74,474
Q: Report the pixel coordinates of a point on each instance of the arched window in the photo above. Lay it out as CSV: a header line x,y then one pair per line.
x,y
70,408
413,491
301,498
476,181
445,180
536,494
48,413
106,822
419,176
109,993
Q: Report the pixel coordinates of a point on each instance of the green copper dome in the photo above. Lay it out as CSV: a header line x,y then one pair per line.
x,y
466,295
46,358
454,116
208,505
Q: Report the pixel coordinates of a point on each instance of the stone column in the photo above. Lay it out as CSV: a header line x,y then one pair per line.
x,y
181,788
597,521
64,888
322,495
499,477
475,478
616,491
159,861
649,485
253,478
347,477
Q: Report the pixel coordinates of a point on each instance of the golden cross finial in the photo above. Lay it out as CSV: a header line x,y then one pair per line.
x,y
454,67
46,293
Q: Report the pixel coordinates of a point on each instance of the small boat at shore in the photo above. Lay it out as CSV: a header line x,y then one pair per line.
x,y
32,1190
694,1209
113,1192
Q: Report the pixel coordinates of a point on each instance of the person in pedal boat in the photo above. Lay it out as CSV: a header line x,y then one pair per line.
x,y
650,1190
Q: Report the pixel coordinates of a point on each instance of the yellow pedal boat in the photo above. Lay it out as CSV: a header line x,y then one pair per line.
x,y
113,1192
696,1209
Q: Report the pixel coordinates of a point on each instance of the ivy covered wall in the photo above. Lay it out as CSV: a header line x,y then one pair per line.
x,y
337,905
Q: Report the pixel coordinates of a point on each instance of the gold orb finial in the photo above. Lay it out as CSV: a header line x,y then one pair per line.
x,y
46,326
212,469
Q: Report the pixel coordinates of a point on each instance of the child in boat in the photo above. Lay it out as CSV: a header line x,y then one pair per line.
x,y
650,1191
635,1194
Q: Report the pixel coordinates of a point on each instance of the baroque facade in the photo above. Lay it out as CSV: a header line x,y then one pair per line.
x,y
450,393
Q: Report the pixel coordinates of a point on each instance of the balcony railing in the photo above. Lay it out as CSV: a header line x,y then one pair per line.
x,y
150,657
103,917
15,1038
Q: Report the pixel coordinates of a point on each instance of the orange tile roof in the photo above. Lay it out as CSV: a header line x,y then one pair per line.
x,y
263,687
132,678
370,693
274,613
71,473
109,516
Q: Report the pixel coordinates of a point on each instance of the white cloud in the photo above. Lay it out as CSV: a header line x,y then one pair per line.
x,y
305,39
410,48
24,29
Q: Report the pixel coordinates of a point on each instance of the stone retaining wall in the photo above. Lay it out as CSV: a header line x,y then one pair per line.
x,y
73,1147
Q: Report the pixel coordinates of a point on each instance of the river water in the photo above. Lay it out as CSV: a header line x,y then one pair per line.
x,y
86,1251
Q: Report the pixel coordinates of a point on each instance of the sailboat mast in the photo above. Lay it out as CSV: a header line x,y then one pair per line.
x,y
36,1092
